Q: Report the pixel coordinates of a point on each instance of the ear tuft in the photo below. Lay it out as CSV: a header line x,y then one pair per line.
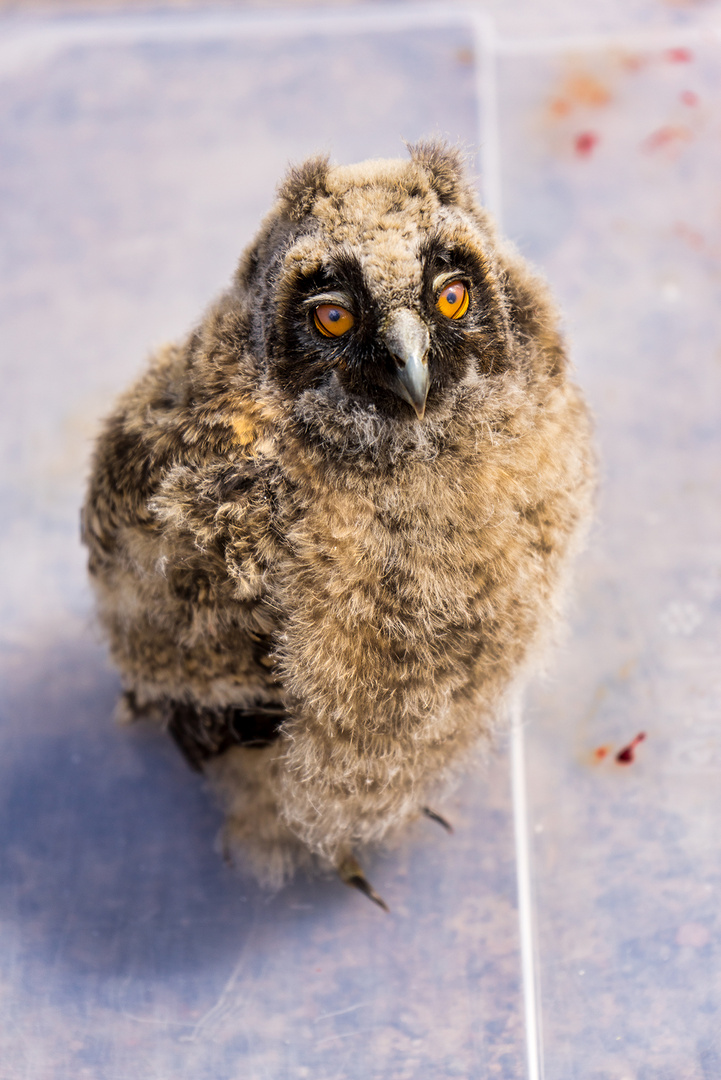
x,y
302,185
444,165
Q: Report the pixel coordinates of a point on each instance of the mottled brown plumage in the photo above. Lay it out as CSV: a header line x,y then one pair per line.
x,y
324,584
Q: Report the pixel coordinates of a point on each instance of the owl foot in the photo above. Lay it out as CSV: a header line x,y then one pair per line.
x,y
437,818
350,873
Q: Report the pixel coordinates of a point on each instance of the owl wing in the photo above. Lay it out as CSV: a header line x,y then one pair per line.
x,y
179,522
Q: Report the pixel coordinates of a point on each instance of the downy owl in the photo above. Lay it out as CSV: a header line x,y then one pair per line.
x,y
329,531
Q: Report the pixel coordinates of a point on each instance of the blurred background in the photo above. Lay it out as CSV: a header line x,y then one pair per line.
x,y
139,146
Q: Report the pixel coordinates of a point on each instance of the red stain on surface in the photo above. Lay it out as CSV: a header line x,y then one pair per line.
x,y
601,752
688,97
560,107
579,89
585,143
679,56
628,754
632,62
668,135
689,235
584,89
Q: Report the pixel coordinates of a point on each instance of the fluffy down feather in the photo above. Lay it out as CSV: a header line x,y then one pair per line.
x,y
323,596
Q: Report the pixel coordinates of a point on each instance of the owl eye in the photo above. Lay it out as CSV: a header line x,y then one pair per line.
x,y
453,300
332,320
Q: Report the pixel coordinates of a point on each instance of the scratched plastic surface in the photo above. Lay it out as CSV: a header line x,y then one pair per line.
x,y
133,175
133,169
612,157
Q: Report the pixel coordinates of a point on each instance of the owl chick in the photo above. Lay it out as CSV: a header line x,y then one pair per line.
x,y
329,531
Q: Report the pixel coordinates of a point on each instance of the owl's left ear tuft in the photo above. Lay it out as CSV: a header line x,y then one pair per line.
x,y
445,168
302,186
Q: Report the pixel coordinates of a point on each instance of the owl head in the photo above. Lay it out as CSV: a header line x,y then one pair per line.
x,y
381,290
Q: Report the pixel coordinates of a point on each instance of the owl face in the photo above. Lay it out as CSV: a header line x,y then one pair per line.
x,y
382,294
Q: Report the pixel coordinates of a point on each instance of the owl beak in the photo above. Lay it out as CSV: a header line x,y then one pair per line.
x,y
406,337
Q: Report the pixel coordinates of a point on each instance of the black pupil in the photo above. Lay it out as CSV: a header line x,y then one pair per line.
x,y
334,315
451,297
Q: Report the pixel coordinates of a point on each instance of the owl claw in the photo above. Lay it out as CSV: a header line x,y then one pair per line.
x,y
437,818
350,873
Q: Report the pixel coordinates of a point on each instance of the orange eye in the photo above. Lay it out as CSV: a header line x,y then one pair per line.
x,y
332,321
453,301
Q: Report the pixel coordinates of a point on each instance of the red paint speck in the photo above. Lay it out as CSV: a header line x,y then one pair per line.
x,y
627,755
688,97
689,235
585,143
679,56
601,752
633,62
560,107
667,136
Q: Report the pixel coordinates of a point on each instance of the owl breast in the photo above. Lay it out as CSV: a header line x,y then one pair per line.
x,y
388,591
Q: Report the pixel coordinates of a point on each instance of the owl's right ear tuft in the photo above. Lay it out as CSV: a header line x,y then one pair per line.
x,y
444,166
302,186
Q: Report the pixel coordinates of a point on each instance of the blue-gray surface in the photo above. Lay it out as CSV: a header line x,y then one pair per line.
x,y
133,169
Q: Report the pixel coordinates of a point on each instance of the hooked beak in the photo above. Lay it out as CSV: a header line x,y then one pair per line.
x,y
407,340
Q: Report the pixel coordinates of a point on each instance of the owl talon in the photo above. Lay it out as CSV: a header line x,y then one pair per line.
x,y
350,873
437,818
